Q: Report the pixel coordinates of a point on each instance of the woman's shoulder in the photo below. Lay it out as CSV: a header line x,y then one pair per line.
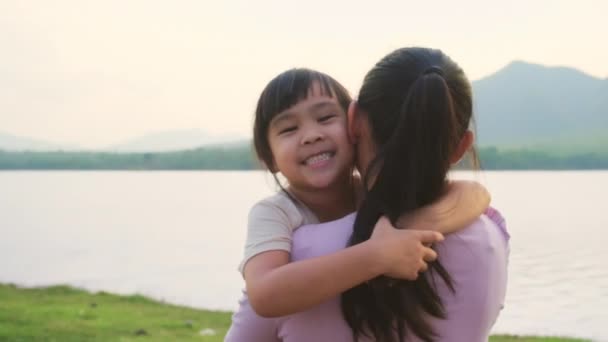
x,y
346,220
490,222
495,216
499,220
323,238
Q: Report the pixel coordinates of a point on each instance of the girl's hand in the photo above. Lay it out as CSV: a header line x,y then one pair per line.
x,y
403,253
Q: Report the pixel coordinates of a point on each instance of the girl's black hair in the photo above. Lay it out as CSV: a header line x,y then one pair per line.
x,y
419,104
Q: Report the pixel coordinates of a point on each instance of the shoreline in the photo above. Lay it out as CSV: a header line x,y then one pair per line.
x,y
66,313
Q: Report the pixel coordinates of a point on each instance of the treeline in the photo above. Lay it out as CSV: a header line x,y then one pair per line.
x,y
242,158
495,159
216,158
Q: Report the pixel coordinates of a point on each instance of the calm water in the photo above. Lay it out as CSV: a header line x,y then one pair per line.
x,y
178,236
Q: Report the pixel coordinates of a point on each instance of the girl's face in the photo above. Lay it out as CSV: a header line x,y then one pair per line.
x,y
309,143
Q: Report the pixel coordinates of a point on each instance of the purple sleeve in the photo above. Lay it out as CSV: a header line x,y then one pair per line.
x,y
248,326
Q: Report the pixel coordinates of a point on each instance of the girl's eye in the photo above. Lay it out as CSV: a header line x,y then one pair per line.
x,y
288,129
326,117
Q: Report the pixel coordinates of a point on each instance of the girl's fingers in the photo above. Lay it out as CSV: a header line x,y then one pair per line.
x,y
429,237
429,255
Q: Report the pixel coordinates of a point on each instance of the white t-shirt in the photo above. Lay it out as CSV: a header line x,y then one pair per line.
x,y
271,224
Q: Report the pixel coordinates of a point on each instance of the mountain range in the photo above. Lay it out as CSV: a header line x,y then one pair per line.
x,y
172,141
526,105
164,141
520,105
11,142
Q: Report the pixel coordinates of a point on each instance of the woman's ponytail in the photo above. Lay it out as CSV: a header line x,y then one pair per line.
x,y
415,120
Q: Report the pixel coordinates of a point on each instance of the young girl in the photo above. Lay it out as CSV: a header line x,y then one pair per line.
x,y
300,130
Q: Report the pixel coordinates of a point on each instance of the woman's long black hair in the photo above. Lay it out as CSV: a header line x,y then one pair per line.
x,y
418,104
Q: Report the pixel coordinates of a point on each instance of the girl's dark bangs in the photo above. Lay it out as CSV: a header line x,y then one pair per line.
x,y
292,87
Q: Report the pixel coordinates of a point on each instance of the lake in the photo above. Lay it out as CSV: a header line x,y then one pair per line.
x,y
178,236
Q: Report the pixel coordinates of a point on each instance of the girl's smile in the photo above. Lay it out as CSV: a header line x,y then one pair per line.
x,y
319,160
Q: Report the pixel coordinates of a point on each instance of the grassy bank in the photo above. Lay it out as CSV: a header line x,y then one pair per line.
x,y
61,313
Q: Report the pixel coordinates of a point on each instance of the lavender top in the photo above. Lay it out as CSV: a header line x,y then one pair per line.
x,y
476,258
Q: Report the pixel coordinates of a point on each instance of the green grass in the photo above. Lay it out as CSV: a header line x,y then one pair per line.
x,y
510,338
64,314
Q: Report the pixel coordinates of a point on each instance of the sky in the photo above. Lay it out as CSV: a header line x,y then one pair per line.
x,y
95,73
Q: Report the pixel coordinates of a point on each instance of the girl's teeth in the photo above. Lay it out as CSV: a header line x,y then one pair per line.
x,y
318,158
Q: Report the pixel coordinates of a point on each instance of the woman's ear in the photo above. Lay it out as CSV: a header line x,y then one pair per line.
x,y
465,143
353,123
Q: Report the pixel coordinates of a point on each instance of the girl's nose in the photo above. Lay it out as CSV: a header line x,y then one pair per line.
x,y
312,136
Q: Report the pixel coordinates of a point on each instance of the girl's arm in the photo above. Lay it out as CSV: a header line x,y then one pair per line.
x,y
461,204
277,287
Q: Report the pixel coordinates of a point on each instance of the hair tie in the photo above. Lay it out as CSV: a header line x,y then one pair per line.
x,y
433,70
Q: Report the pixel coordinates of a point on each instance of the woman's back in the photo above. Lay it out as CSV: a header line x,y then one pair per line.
x,y
476,258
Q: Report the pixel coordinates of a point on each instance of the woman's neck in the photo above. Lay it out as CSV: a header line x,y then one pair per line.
x,y
330,203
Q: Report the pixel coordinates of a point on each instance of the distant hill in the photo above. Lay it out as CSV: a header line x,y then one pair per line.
x,y
171,141
526,104
523,105
11,142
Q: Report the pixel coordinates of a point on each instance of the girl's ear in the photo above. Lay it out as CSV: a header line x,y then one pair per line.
x,y
353,123
465,143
